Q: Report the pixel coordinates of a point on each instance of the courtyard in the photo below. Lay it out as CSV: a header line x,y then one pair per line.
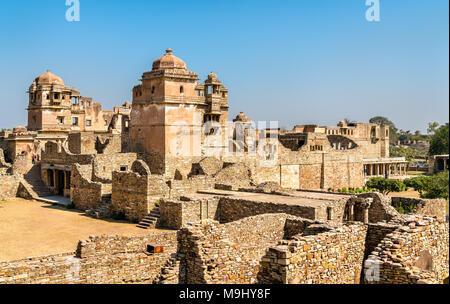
x,y
31,228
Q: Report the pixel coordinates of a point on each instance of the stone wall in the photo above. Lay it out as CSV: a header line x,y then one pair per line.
x,y
380,209
232,209
190,185
429,207
133,194
9,186
22,164
84,193
330,257
177,214
417,252
228,253
105,164
105,260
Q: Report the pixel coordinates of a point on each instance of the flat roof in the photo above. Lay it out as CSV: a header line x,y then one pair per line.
x,y
300,198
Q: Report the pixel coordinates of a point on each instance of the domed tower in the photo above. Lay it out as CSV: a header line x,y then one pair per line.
x,y
49,103
169,108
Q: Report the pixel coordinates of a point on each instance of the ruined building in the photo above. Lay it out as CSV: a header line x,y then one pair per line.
x,y
246,203
55,111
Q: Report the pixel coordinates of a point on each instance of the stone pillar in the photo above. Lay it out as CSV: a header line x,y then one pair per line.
x,y
351,211
54,179
366,205
65,180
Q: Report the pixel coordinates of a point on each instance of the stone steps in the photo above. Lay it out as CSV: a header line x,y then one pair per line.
x,y
169,272
150,220
103,210
35,183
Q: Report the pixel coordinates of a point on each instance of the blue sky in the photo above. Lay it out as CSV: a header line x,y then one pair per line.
x,y
298,62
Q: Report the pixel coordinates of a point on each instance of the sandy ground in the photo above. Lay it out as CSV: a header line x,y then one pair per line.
x,y
410,193
31,228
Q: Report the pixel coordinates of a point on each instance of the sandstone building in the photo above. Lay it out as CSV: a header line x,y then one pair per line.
x,y
56,110
247,203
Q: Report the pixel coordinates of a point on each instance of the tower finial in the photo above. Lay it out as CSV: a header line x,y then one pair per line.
x,y
169,51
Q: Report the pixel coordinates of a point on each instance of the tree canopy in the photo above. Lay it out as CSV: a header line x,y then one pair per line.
x,y
439,143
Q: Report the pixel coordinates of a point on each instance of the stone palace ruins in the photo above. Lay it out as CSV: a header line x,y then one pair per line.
x,y
245,202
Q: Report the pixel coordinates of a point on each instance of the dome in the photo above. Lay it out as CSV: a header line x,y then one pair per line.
x,y
169,61
213,76
49,78
242,117
342,123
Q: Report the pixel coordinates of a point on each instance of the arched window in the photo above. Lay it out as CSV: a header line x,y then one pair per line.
x,y
181,90
153,90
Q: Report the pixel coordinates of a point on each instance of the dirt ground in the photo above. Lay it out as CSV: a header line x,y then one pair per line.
x,y
31,228
410,193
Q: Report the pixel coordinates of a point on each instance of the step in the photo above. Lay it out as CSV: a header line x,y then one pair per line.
x,y
142,226
147,222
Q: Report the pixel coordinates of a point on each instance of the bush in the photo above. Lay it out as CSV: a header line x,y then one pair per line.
x,y
403,208
435,186
157,204
386,186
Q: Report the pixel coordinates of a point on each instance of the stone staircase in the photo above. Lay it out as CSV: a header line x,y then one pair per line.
x,y
150,220
34,183
170,272
103,210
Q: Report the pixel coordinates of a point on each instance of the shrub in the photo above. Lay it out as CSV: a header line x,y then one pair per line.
x,y
386,186
157,204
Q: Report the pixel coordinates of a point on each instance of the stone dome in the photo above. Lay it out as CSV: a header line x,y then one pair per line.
x,y
213,77
242,117
342,123
169,61
49,78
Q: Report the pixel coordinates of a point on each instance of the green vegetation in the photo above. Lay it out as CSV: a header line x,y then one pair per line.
x,y
352,190
157,204
434,186
439,140
386,186
403,208
407,152
400,135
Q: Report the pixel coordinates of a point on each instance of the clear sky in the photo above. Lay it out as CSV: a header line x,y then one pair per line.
x,y
298,62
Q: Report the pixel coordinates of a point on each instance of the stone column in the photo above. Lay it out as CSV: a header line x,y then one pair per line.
x,y
351,211
366,205
54,178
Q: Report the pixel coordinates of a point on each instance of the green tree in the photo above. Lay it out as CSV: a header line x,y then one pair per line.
x,y
386,186
381,120
435,186
418,183
439,141
432,126
407,152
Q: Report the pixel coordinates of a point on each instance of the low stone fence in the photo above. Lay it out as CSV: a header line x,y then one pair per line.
x,y
331,257
105,260
228,253
417,252
104,245
419,206
232,209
